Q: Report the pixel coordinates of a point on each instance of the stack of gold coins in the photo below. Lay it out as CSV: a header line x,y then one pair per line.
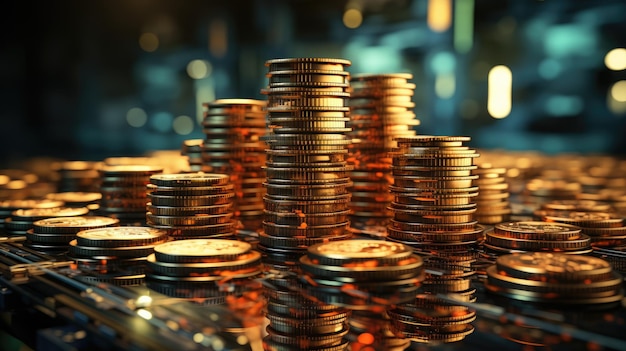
x,y
9,206
233,145
605,229
53,235
191,149
433,213
307,193
380,111
555,278
114,255
191,205
364,275
493,194
536,236
22,220
77,176
124,194
205,270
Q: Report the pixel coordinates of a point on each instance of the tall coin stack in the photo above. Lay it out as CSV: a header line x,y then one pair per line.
x,y
124,194
233,145
191,205
307,193
433,213
380,111
493,196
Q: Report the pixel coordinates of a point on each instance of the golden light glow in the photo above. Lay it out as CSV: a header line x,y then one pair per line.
x,y
618,91
183,125
352,18
439,15
500,86
218,38
145,314
148,42
198,69
616,59
616,98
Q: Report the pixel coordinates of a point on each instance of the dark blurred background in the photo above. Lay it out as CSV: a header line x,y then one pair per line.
x,y
84,80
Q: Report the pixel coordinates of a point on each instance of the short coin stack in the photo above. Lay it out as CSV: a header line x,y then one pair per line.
x,y
114,255
380,111
233,145
22,220
191,205
605,229
307,193
77,175
53,235
363,275
433,213
123,189
535,236
7,207
555,278
493,194
192,150
206,270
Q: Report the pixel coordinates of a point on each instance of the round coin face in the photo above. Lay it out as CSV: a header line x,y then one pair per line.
x,y
51,212
189,179
203,247
358,249
535,227
552,263
121,233
79,221
43,203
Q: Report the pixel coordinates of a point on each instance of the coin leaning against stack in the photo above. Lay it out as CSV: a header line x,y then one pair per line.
x,y
380,111
307,194
433,211
191,205
233,145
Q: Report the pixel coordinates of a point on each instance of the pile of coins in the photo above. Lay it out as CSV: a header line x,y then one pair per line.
x,y
493,196
22,220
605,229
535,236
233,145
81,176
307,194
555,278
364,275
192,150
207,271
380,111
7,207
433,213
373,330
123,189
53,235
114,255
191,205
